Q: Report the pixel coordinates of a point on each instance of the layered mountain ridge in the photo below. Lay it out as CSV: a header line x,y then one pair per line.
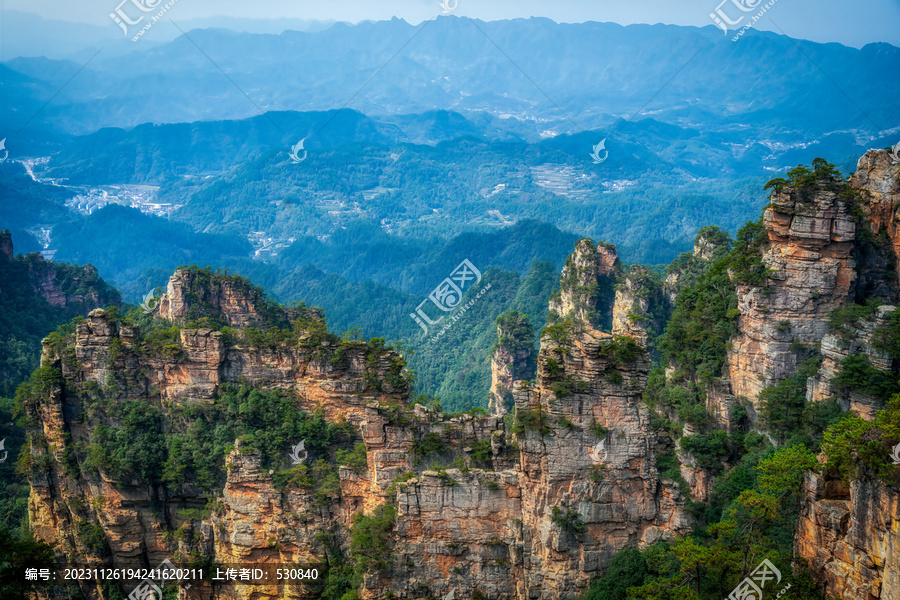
x,y
165,437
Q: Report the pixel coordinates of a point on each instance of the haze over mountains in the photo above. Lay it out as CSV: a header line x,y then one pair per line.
x,y
592,73
423,145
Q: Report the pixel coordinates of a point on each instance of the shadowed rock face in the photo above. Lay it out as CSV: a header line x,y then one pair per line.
x,y
641,306
849,536
586,286
849,533
877,175
858,339
46,281
587,452
512,360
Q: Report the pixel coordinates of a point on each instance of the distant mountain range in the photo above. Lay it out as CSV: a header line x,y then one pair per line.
x,y
469,129
553,77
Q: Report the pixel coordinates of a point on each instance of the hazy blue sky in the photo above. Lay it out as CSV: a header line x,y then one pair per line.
x,y
854,23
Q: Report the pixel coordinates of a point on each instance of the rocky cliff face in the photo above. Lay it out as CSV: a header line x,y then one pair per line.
x,y
849,536
77,288
824,246
858,339
512,360
877,175
827,248
587,285
533,513
812,272
848,533
193,292
588,480
641,306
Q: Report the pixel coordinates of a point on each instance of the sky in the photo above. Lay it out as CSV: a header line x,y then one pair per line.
x,y
852,23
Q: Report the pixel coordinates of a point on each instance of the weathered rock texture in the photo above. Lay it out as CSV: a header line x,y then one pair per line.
x,y
587,285
826,250
824,259
641,306
512,360
812,266
190,293
850,537
77,288
534,513
858,339
580,399
877,175
534,521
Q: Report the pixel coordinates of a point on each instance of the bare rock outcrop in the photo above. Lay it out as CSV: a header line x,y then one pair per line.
x,y
195,293
587,285
589,481
854,339
878,176
849,536
479,509
811,272
511,360
78,289
641,306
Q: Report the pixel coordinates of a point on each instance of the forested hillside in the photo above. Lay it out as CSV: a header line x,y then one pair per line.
x,y
36,297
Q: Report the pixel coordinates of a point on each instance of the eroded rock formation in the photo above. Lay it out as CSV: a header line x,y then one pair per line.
x,y
641,306
811,273
534,513
587,285
589,481
77,288
849,536
512,360
858,339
